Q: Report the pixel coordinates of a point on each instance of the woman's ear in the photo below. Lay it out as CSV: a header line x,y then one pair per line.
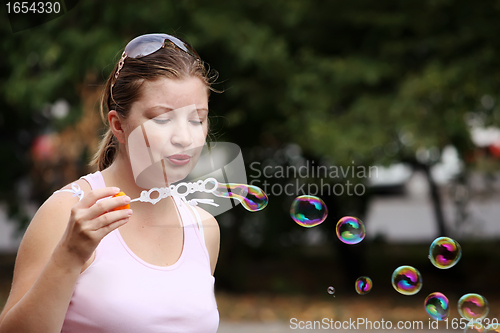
x,y
116,126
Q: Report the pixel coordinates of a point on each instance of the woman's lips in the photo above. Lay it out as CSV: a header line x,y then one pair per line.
x,y
179,159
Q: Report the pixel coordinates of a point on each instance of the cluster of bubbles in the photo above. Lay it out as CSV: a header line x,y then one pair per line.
x,y
444,253
309,211
363,285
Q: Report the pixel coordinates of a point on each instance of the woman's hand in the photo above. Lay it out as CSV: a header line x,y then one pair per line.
x,y
91,219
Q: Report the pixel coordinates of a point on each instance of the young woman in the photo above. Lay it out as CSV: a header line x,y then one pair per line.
x,y
87,262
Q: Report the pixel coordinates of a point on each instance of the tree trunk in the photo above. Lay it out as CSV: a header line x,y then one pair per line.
x,y
436,200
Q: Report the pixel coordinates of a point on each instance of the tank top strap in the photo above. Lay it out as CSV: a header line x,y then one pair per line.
x,y
190,210
192,230
95,180
198,221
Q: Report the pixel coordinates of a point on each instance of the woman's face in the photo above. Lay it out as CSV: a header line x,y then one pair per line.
x,y
166,130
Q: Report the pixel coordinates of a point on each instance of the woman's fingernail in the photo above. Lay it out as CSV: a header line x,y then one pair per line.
x,y
126,199
129,212
116,189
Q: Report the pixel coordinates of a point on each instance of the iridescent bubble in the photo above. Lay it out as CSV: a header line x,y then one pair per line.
x,y
331,290
308,211
493,327
406,280
350,230
251,197
475,326
473,306
363,285
437,306
445,252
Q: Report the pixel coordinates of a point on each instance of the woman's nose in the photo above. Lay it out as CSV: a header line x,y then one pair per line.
x,y
181,136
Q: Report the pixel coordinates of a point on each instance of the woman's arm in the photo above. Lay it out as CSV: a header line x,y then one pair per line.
x,y
61,237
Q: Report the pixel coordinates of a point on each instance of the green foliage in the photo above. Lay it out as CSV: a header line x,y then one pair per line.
x,y
343,79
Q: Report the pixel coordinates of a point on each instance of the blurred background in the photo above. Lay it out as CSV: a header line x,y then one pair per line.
x,y
408,89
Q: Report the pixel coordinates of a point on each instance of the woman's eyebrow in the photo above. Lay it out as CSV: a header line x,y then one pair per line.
x,y
201,110
159,107
168,109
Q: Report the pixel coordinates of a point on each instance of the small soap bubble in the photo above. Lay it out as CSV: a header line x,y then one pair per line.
x,y
445,252
437,306
407,280
493,327
251,197
350,230
308,211
473,306
475,326
363,285
331,290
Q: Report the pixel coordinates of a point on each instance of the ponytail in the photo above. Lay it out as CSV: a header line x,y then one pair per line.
x,y
106,151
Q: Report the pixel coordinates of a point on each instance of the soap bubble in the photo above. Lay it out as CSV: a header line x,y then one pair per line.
x,y
474,326
251,197
493,327
331,290
406,280
445,252
437,306
363,285
350,230
473,306
308,211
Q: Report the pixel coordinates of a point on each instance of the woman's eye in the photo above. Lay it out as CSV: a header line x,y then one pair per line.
x,y
161,121
196,122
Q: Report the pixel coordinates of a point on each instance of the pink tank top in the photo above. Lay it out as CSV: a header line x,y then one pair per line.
x,y
121,293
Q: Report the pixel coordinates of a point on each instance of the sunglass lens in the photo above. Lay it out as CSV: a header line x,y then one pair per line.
x,y
144,45
147,44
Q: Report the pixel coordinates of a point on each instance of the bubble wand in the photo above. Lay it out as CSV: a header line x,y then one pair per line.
x,y
251,197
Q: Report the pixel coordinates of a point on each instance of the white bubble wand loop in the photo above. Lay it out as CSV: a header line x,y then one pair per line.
x,y
163,192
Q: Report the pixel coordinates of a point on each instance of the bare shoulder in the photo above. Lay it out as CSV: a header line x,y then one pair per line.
x,y
40,239
212,235
52,216
50,221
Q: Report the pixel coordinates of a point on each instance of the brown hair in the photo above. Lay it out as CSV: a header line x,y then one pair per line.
x,y
167,62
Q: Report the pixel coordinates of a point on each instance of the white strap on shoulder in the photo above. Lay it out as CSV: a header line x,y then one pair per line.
x,y
75,189
198,220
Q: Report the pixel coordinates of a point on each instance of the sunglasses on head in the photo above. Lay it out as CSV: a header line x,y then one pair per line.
x,y
148,44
